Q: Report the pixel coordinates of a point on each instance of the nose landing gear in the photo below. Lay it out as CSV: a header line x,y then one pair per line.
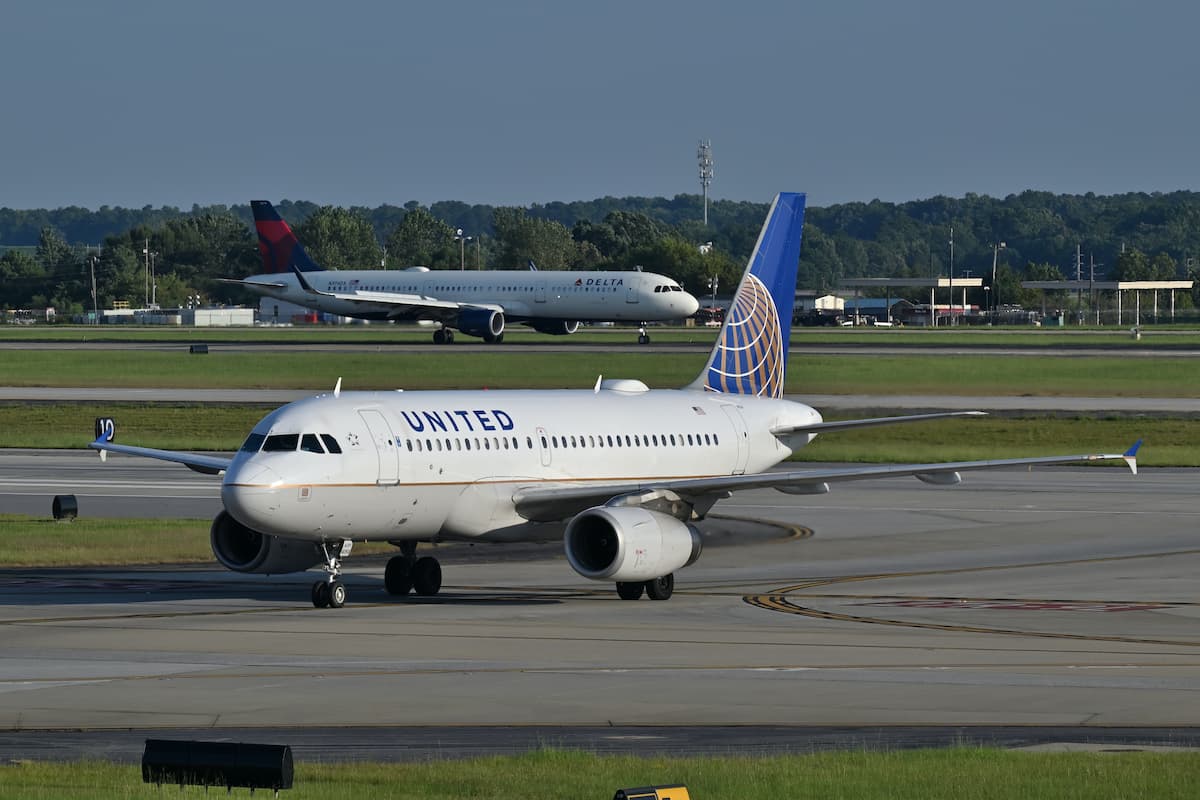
x,y
331,592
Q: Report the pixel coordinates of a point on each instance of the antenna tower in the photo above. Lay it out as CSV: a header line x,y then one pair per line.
x,y
704,156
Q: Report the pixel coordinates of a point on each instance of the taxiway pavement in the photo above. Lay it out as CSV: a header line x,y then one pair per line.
x,y
1061,597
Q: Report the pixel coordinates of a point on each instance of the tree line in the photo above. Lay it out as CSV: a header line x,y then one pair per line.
x,y
49,256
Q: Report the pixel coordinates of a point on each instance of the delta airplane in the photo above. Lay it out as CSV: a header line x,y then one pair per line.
x,y
472,302
619,472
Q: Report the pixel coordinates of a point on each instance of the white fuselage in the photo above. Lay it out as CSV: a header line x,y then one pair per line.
x,y
524,295
428,465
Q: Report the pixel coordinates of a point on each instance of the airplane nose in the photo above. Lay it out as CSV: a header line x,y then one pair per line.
x,y
251,473
251,494
690,305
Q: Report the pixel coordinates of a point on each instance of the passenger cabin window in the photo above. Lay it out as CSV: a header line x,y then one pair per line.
x,y
253,443
331,444
281,443
309,443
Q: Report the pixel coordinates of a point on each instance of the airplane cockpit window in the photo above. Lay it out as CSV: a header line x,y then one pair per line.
x,y
309,443
281,443
331,444
253,443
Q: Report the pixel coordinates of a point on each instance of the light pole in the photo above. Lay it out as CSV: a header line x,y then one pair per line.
x,y
996,248
462,248
95,303
951,276
149,255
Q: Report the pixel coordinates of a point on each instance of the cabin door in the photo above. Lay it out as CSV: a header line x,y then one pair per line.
x,y
739,434
385,446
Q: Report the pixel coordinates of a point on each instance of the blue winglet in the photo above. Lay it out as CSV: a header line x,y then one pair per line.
x,y
1130,456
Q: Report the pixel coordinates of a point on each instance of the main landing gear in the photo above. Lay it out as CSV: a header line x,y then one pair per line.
x,y
331,592
443,336
406,573
655,589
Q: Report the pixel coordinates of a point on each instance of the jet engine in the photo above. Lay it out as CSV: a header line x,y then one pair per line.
x,y
628,543
243,549
484,322
555,327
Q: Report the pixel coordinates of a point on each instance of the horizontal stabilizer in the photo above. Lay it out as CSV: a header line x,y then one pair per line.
x,y
254,284
840,425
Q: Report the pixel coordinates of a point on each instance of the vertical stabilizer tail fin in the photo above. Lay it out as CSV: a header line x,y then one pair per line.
x,y
281,251
750,355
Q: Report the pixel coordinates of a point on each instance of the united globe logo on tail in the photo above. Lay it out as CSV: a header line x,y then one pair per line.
x,y
750,355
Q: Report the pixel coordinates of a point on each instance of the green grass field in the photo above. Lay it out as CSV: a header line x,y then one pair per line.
x,y
951,774
976,374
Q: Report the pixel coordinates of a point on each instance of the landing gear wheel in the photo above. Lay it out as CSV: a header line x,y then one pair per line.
x,y
449,336
427,576
630,591
320,594
660,588
643,338
439,336
337,594
397,576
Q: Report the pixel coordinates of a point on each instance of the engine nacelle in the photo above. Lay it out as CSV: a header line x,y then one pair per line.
x,y
243,549
484,322
555,327
628,543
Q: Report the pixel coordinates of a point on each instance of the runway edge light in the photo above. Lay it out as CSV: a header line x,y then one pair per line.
x,y
674,791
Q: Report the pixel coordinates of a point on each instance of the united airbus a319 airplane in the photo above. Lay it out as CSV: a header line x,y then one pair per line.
x,y
620,472
477,303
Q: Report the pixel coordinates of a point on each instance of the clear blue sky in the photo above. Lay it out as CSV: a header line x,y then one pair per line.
x,y
516,102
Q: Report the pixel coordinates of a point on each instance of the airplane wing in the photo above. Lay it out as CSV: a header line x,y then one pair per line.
x,y
550,504
106,429
398,306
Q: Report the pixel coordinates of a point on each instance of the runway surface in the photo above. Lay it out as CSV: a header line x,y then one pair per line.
x,y
1061,601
